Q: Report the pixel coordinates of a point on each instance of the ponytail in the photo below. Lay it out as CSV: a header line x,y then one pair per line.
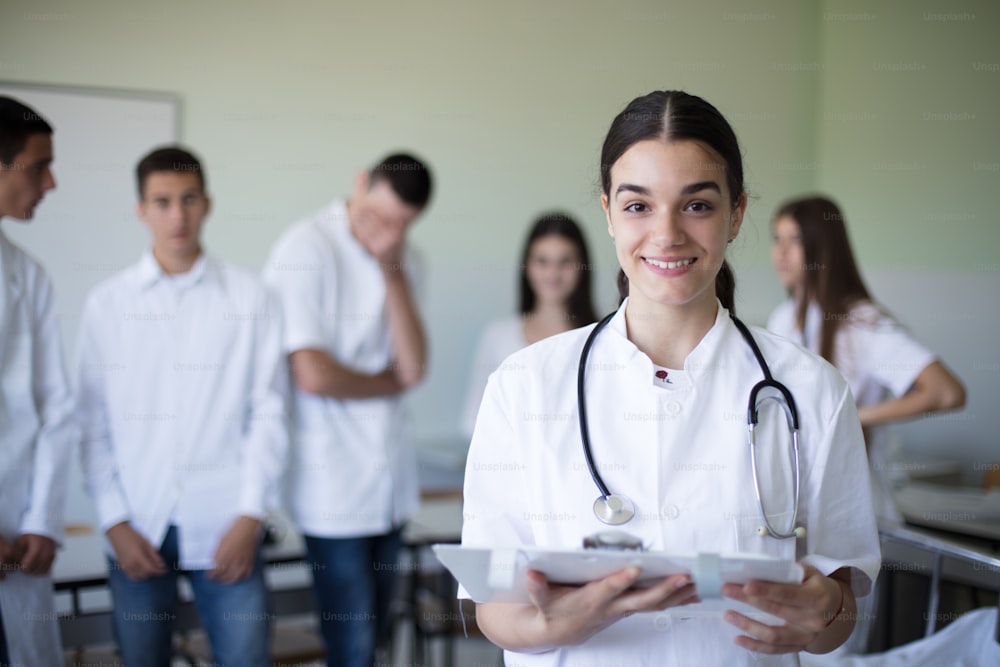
x,y
725,287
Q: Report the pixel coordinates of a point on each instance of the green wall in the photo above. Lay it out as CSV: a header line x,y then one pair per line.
x,y
891,107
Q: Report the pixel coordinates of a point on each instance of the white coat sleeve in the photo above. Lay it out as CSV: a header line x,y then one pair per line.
x,y
266,422
496,490
100,469
58,433
294,273
842,531
889,353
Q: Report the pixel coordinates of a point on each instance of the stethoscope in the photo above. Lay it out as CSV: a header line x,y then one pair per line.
x,y
616,509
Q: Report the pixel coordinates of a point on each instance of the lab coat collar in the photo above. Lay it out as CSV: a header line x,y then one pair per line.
x,y
149,272
702,359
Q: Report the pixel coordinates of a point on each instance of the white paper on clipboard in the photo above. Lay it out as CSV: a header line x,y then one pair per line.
x,y
498,575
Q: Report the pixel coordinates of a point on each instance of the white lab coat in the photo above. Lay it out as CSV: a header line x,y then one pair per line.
x,y
680,452
36,434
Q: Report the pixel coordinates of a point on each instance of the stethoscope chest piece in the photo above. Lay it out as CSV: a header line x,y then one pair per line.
x,y
614,509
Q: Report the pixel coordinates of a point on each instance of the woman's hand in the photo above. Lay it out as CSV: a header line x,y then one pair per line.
x,y
567,615
808,610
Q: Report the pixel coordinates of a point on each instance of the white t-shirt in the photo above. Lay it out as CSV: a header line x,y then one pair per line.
x,y
498,341
878,358
679,451
182,396
353,469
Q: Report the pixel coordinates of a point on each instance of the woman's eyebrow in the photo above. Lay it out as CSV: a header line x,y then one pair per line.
x,y
628,187
686,190
698,187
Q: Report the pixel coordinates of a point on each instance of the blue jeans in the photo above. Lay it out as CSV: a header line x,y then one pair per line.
x,y
235,616
355,581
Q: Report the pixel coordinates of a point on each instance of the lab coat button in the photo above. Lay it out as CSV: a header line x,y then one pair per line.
x,y
673,408
671,511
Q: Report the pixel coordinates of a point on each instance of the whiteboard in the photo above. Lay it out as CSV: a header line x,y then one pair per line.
x,y
86,229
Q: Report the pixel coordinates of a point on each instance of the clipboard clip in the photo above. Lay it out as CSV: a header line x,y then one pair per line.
x,y
613,540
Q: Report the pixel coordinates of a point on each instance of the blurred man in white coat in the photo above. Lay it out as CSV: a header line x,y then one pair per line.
x,y
36,425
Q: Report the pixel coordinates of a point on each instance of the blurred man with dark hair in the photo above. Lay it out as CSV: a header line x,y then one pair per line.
x,y
183,454
355,344
36,407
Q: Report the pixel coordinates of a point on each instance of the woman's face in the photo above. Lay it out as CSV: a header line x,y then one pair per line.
x,y
787,255
553,268
671,215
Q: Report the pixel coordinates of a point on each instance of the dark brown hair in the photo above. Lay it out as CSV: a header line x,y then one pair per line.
x,y
17,122
832,278
408,177
168,158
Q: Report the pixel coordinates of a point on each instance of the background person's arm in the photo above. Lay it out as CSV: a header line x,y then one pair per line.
x,y
409,342
935,389
316,372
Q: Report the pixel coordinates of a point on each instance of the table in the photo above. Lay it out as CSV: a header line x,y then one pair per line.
x,y
951,556
439,520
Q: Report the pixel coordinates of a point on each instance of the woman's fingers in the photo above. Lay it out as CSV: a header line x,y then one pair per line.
x,y
672,591
771,639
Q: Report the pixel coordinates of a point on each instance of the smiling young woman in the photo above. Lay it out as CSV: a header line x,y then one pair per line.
x,y
673,195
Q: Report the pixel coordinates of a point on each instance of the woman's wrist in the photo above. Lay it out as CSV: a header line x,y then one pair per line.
x,y
841,605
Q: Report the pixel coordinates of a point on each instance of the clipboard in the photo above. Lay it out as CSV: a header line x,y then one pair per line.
x,y
498,574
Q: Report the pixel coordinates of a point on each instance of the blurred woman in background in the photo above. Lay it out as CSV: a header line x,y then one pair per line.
x,y
831,312
555,296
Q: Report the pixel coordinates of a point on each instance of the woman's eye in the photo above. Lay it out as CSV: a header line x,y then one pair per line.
x,y
700,207
636,207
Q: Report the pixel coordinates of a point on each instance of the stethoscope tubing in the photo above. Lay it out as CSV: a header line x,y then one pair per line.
x,y
582,405
791,415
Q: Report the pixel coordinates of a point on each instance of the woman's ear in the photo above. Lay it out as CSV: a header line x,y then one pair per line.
x,y
736,219
607,215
